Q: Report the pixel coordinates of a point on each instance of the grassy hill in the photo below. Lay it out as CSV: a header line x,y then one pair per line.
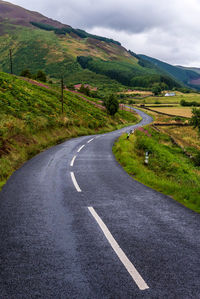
x,y
38,42
31,120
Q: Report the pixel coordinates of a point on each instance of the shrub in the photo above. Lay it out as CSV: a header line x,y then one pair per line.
x,y
112,105
26,73
197,159
41,76
131,102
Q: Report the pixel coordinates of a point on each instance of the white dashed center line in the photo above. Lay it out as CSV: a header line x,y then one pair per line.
x,y
75,182
121,255
72,162
90,140
78,151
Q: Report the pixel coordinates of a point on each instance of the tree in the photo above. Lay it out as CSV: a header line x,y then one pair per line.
x,y
41,76
195,120
112,104
156,89
26,73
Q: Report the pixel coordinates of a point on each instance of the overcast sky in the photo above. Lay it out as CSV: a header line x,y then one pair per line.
x,y
165,29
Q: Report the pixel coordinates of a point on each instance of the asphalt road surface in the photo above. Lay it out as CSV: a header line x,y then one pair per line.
x,y
73,224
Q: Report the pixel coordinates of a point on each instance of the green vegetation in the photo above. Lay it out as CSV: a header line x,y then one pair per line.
x,y
195,120
111,104
79,32
148,81
126,73
51,54
189,104
31,120
40,76
54,47
178,73
99,62
44,26
177,99
169,170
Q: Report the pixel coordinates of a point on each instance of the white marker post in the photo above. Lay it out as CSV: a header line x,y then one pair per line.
x,y
146,161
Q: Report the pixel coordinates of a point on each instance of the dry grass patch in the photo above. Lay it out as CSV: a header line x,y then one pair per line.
x,y
186,137
179,111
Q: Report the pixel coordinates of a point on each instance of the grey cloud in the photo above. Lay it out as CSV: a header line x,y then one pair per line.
x,y
131,16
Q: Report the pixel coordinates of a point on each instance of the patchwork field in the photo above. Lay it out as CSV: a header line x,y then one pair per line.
x,y
176,111
190,97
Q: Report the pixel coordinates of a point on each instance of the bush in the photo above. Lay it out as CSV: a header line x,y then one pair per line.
x,y
26,73
112,105
41,76
197,159
131,102
156,89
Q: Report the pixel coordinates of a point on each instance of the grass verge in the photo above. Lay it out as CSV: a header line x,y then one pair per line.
x,y
169,170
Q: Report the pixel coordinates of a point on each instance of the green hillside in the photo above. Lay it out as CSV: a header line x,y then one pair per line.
x,y
31,120
183,75
38,42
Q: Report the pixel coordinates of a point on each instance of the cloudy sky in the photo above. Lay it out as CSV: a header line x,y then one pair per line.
x,y
165,29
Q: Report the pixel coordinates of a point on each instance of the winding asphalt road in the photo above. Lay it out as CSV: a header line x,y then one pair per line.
x,y
73,224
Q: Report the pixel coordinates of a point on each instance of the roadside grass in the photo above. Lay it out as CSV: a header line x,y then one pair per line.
x,y
169,170
31,121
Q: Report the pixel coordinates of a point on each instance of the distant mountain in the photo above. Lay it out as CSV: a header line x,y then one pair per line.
x,y
193,82
38,42
194,69
188,76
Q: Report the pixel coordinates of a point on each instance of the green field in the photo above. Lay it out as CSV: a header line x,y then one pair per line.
x,y
189,97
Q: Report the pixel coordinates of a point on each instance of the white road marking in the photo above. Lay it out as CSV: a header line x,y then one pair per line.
x,y
122,256
75,182
90,140
72,162
78,151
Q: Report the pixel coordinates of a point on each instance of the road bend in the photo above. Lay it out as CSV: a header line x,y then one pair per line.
x,y
74,224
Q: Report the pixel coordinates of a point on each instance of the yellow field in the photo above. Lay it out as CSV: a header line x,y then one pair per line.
x,y
180,111
139,92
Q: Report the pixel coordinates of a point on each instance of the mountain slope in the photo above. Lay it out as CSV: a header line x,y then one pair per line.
x,y
184,75
196,81
38,42
20,16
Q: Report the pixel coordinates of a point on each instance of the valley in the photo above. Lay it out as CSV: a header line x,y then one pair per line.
x,y
99,156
